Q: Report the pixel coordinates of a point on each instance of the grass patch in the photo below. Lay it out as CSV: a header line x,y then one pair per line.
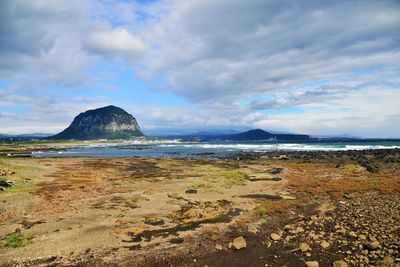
x,y
203,186
17,240
120,216
233,178
214,237
354,167
22,187
262,211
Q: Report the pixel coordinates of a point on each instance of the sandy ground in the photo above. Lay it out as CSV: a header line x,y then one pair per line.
x,y
181,212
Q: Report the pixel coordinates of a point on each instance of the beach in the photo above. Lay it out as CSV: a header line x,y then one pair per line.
x,y
266,209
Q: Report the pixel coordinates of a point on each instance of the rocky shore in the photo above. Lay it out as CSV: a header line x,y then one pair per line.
x,y
258,209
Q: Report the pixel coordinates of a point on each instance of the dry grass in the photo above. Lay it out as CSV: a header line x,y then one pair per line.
x,y
314,180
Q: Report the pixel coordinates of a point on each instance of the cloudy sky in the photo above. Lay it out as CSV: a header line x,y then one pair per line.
x,y
315,67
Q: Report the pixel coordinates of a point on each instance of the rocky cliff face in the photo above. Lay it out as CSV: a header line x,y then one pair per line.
x,y
103,123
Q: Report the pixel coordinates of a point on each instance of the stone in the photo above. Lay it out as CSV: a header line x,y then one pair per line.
x,y
218,247
352,234
374,245
239,243
275,237
154,221
362,237
191,191
324,244
253,229
340,263
312,264
5,183
314,236
304,247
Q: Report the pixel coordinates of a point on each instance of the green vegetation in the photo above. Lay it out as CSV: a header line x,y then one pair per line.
x,y
214,237
17,176
20,187
17,240
233,178
206,187
120,216
262,211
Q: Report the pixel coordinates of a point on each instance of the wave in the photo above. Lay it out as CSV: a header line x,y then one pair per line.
x,y
274,147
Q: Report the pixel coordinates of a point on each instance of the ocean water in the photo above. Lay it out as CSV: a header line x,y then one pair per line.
x,y
208,149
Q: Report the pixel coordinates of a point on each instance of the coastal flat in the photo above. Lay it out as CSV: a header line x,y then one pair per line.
x,y
187,212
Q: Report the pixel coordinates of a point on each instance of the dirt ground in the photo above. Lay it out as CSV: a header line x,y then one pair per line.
x,y
187,212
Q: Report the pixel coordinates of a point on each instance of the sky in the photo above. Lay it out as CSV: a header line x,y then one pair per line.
x,y
311,67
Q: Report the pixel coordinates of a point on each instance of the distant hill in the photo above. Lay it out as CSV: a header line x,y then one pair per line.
x,y
259,134
103,123
251,135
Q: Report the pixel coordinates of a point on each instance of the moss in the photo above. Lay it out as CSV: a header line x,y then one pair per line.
x,y
233,178
17,239
263,212
20,187
120,216
206,187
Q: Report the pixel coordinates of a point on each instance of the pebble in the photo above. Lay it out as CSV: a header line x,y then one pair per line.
x,y
239,243
218,247
312,264
325,244
304,247
340,263
275,237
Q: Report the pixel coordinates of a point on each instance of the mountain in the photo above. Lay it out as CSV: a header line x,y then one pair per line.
x,y
103,123
251,135
259,134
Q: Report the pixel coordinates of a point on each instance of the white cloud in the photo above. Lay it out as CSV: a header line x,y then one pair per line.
x,y
233,60
117,42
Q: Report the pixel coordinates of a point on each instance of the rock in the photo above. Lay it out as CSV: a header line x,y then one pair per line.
x,y
362,237
239,243
324,244
387,261
177,240
275,237
297,230
218,247
304,247
312,264
340,263
352,234
341,231
313,236
374,245
253,229
5,183
191,191
154,221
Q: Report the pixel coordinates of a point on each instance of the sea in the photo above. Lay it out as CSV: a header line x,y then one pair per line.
x,y
221,149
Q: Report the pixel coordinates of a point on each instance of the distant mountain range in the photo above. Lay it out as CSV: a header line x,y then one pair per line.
x,y
251,135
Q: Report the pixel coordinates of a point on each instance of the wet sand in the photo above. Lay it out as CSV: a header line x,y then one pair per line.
x,y
183,212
